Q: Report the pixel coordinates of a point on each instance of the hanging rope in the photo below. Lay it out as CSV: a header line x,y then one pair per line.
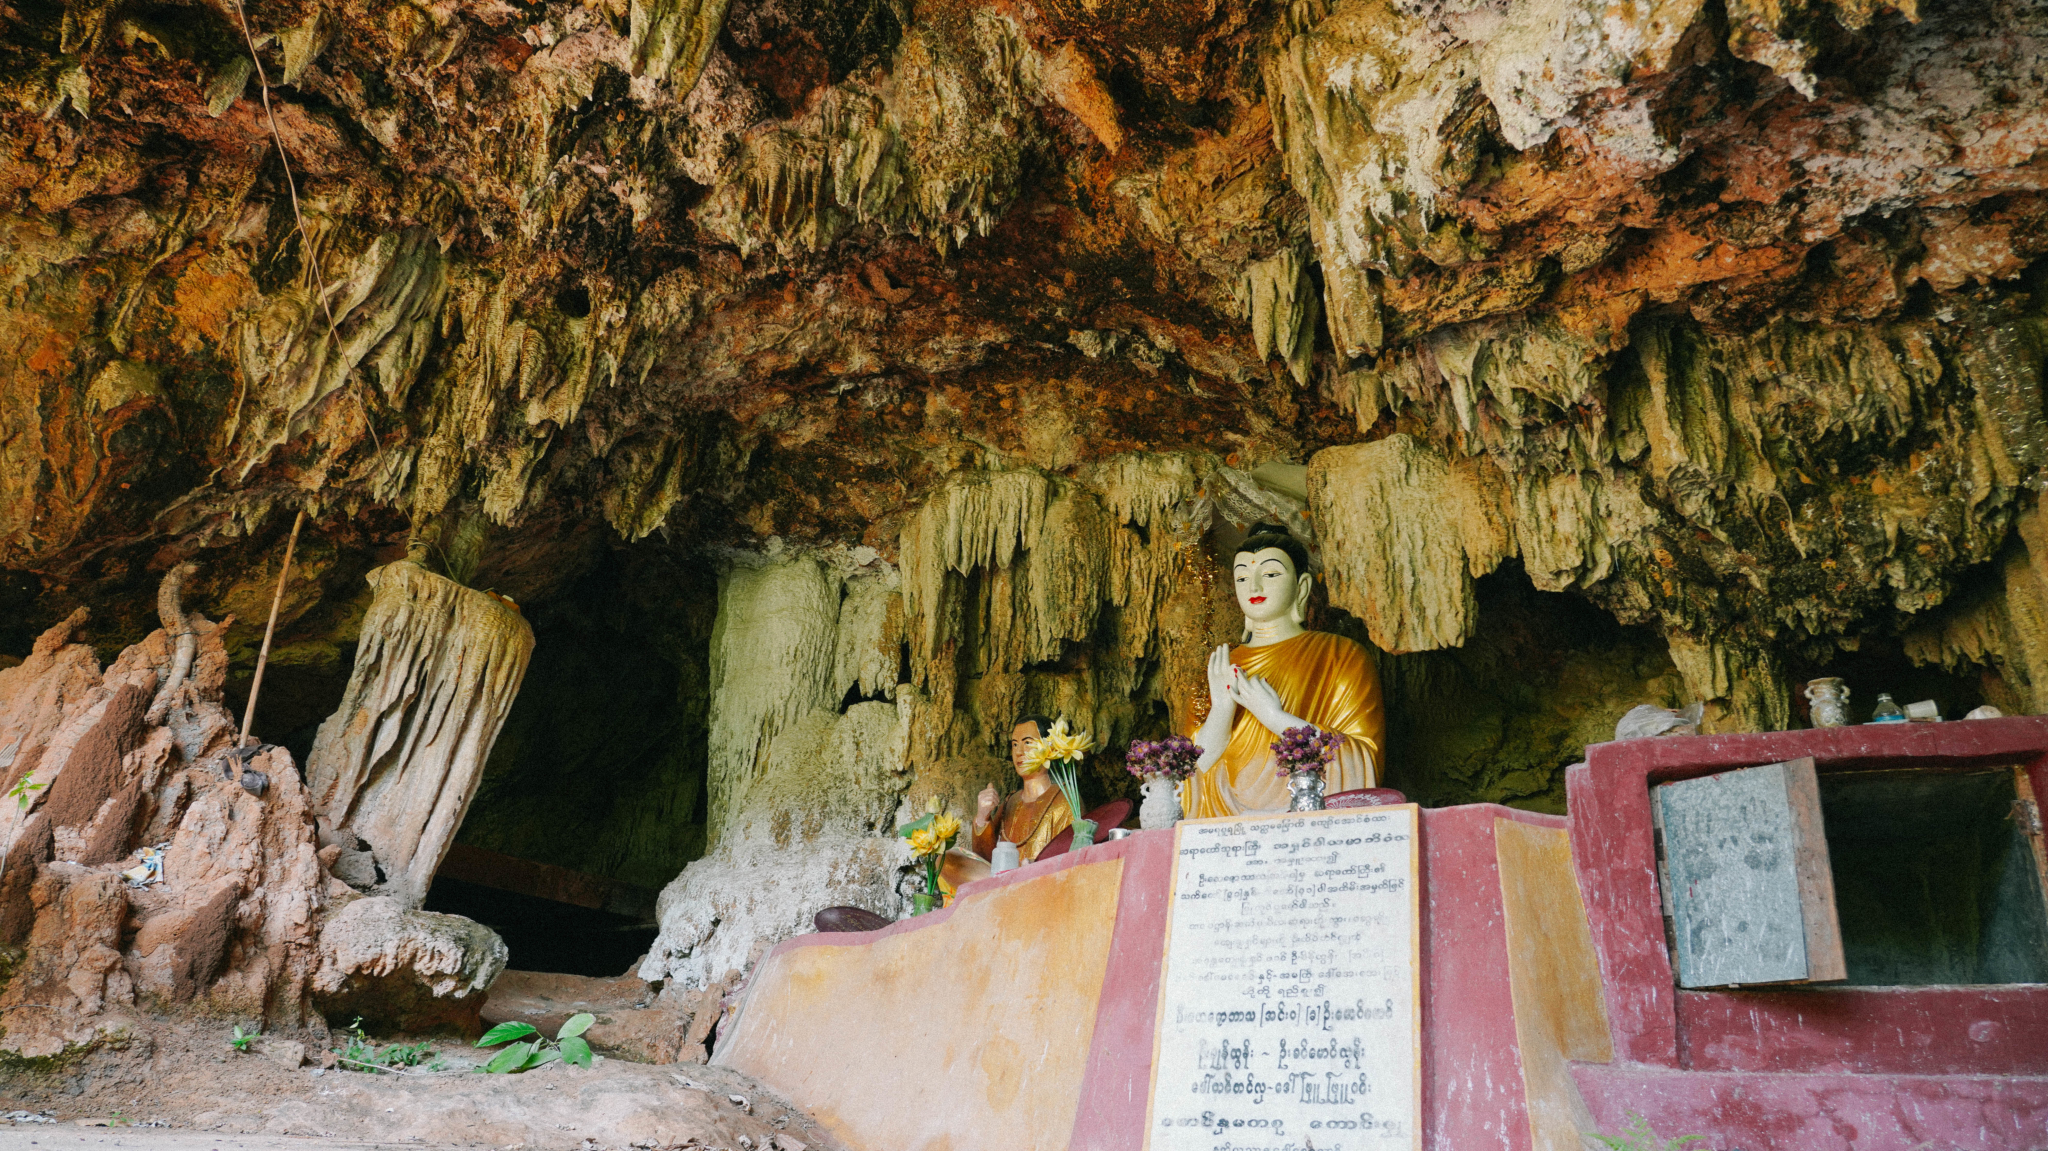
x,y
270,629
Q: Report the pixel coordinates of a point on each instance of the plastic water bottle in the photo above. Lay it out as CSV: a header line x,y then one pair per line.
x,y
1887,711
1004,858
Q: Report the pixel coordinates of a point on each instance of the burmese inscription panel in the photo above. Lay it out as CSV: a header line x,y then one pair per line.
x,y
1289,1003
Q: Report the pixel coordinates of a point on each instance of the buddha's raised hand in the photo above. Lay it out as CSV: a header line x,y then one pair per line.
x,y
1255,695
1222,680
985,805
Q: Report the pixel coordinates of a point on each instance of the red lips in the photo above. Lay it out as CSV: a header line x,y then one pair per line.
x,y
1258,599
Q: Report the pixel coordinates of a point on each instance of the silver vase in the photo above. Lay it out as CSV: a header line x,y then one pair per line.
x,y
1307,789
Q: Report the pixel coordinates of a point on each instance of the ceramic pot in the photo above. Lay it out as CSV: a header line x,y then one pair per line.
x,y
1161,807
1830,698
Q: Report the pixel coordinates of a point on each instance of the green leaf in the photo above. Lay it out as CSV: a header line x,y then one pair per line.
x,y
576,1052
508,1060
540,1059
577,1025
915,826
505,1033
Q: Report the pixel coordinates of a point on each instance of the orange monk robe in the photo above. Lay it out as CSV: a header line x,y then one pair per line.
x,y
1322,679
1029,825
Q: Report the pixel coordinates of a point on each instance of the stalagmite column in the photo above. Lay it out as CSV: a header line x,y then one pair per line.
x,y
804,787
436,672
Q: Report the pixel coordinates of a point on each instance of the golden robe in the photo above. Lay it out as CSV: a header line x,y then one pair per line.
x,y
1322,679
1029,825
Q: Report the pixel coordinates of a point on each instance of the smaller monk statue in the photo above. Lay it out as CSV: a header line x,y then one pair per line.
x,y
1032,817
1281,676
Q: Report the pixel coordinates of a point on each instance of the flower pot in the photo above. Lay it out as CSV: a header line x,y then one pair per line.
x,y
1084,833
1307,789
1162,803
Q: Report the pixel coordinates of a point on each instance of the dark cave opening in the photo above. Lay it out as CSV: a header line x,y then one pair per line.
x,y
546,935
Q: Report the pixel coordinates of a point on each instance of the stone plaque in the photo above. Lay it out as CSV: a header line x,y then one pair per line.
x,y
1290,1003
1746,877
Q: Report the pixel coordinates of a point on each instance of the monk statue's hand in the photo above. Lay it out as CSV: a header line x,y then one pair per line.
x,y
1257,696
1222,681
985,805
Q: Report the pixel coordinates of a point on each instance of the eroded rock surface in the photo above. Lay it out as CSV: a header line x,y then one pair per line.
x,y
229,926
405,970
1724,323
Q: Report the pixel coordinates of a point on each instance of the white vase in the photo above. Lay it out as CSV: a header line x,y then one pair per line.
x,y
1162,803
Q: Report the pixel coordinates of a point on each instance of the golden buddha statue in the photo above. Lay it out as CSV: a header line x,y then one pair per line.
x,y
1281,676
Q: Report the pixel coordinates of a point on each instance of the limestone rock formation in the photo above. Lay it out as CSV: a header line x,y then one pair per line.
x,y
805,794
398,763
405,970
1604,354
229,924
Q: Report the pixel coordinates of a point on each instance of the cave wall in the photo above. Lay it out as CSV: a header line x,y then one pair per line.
x,y
1606,355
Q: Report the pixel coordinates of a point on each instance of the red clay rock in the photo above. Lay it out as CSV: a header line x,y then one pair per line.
x,y
234,927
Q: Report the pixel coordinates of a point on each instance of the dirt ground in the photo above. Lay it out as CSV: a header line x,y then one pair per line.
x,y
24,1137
174,1081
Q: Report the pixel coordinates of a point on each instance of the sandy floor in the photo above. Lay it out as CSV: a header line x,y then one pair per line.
x,y
210,1098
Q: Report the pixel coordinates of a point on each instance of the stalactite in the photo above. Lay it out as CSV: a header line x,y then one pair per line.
x,y
1404,534
1279,300
671,39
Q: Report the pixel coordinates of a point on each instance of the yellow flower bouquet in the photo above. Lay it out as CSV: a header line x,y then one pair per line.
x,y
931,837
1059,752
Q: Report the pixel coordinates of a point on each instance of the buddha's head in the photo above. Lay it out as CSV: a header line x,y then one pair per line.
x,y
1271,575
1024,736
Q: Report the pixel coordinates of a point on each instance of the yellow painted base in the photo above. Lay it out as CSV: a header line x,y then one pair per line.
x,y
972,1032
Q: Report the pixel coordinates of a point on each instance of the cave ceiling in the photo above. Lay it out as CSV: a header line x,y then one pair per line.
x,y
1734,309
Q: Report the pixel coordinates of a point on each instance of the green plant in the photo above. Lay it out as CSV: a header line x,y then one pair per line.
x,y
359,1054
241,1039
531,1051
1638,1136
24,790
22,793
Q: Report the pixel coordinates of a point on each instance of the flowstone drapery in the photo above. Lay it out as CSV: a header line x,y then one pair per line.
x,y
396,766
804,791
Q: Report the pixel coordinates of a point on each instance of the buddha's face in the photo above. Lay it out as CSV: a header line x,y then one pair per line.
x,y
1023,738
1268,587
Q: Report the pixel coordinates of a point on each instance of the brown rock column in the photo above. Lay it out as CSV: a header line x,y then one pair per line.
x,y
397,765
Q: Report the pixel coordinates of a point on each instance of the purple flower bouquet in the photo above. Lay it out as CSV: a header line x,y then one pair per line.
x,y
1305,749
1173,757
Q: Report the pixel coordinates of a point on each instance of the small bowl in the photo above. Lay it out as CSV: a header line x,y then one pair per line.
x,y
1116,833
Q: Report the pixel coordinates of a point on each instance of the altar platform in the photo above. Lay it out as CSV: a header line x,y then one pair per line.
x,y
1024,1016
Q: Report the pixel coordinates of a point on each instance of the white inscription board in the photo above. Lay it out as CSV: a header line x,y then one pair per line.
x,y
1289,1007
